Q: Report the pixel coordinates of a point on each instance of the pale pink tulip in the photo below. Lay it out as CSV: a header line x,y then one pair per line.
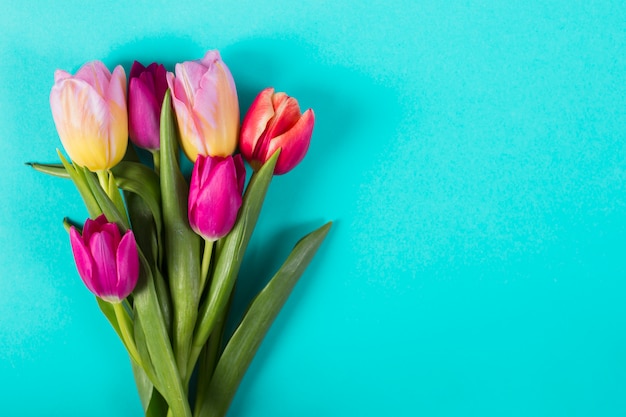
x,y
205,101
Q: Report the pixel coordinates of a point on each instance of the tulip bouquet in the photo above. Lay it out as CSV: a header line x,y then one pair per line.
x,y
162,252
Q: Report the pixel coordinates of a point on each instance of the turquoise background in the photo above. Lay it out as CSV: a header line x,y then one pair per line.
x,y
471,153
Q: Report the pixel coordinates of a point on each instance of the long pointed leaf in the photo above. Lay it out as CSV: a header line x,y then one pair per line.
x,y
247,338
145,235
56,170
182,245
93,208
158,343
107,205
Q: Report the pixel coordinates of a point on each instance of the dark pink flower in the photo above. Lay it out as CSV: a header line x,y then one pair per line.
x,y
107,262
147,87
215,195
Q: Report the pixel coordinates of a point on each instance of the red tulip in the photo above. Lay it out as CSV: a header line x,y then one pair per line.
x,y
274,121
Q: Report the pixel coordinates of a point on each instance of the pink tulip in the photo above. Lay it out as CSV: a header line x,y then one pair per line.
x,y
147,87
107,262
274,121
205,101
215,195
89,111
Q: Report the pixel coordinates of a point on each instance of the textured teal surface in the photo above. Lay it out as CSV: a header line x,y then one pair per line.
x,y
471,153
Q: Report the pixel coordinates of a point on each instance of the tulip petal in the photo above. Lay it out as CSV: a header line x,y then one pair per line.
x,y
240,170
216,111
118,125
82,118
294,144
136,69
210,58
127,259
83,259
96,74
160,82
104,255
255,122
143,119
91,227
218,202
287,115
191,140
196,181
116,89
113,232
60,75
190,75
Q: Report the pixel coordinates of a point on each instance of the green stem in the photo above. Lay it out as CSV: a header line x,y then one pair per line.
x,y
103,178
108,184
206,263
126,329
208,361
156,157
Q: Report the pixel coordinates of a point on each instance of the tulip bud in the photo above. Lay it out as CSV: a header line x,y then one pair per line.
x,y
107,262
205,101
147,87
274,121
89,111
215,195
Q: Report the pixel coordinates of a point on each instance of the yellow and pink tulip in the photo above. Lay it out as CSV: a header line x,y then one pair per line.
x,y
89,111
205,101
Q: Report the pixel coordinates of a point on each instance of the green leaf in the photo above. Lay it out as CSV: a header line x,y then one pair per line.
x,y
153,403
146,237
93,208
146,360
56,170
109,313
182,245
157,343
144,385
141,180
105,203
230,251
158,406
246,340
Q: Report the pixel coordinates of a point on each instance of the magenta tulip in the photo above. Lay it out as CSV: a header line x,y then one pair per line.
x,y
147,87
215,195
274,121
107,262
206,105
